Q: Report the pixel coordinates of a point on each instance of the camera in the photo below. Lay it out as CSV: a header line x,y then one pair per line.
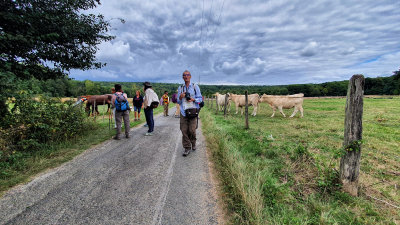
x,y
187,96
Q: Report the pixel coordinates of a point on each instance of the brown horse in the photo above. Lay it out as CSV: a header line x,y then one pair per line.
x,y
96,100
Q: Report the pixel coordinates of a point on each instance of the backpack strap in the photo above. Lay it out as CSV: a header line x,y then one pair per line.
x,y
194,87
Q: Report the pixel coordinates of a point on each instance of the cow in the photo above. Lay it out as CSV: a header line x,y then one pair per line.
x,y
239,101
284,102
95,100
221,101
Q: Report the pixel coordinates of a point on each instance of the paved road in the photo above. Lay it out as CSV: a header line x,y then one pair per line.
x,y
141,180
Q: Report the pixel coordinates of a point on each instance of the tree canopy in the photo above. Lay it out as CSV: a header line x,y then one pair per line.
x,y
45,38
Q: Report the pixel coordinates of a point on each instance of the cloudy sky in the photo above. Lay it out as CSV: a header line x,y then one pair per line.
x,y
248,41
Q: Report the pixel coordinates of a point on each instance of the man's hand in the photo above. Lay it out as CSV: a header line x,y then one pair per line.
x,y
182,95
191,100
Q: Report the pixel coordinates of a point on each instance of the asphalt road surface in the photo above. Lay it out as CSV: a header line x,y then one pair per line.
x,y
140,180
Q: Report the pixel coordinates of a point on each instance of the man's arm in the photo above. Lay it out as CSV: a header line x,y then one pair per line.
x,y
179,100
198,98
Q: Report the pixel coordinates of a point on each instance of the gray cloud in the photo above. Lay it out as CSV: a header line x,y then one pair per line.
x,y
249,42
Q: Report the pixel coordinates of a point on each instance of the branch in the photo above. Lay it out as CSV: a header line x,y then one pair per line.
x,y
387,203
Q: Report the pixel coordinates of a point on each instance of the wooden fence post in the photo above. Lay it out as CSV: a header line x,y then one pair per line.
x,y
212,102
94,112
246,111
104,108
216,105
226,103
350,162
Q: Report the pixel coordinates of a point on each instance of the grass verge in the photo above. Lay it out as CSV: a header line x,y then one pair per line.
x,y
284,171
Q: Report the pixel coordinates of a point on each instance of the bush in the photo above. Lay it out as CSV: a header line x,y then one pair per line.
x,y
33,124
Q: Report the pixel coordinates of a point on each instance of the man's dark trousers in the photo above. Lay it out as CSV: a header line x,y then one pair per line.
x,y
188,128
148,112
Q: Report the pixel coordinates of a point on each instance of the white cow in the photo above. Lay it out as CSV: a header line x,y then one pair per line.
x,y
240,101
284,102
221,101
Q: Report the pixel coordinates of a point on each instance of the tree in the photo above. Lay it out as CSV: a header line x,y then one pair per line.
x,y
46,38
92,88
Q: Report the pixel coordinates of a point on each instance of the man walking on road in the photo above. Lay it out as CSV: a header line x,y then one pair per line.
x,y
150,102
119,101
165,99
189,98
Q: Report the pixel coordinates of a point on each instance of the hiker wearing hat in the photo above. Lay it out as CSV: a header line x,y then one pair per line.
x,y
150,102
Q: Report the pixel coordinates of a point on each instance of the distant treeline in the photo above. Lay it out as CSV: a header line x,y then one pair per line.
x,y
73,88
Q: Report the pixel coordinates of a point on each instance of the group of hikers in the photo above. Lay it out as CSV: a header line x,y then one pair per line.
x,y
188,101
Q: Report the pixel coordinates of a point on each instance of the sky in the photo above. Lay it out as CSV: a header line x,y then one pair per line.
x,y
251,42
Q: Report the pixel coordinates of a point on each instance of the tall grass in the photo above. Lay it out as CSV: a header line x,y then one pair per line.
x,y
284,170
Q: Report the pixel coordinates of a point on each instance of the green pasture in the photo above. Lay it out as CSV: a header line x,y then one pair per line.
x,y
284,170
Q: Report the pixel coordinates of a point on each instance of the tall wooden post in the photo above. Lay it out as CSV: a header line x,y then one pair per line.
x,y
212,102
216,105
226,103
104,108
94,112
350,162
246,111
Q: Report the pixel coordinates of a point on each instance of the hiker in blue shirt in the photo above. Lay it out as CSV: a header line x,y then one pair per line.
x,y
189,98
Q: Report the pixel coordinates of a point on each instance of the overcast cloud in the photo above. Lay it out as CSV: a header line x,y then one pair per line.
x,y
248,42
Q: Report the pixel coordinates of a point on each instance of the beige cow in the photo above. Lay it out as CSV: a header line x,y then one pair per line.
x,y
221,101
284,102
239,101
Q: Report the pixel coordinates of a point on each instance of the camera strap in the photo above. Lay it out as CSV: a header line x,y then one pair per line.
x,y
187,89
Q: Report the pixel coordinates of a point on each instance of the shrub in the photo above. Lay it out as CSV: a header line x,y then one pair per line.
x,y
33,124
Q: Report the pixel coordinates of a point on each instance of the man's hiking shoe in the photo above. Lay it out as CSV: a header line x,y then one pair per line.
x,y
193,149
148,134
146,125
116,138
127,135
186,152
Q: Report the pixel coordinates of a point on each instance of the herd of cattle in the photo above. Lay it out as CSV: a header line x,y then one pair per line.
x,y
275,101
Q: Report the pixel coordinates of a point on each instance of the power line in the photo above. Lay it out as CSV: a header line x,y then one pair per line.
x,y
209,18
218,22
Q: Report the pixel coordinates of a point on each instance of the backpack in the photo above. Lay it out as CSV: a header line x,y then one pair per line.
x,y
174,98
121,103
154,105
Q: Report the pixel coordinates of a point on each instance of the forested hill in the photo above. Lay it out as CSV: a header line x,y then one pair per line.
x,y
73,88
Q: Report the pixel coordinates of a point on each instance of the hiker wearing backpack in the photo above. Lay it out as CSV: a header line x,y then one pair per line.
x,y
189,99
165,99
150,102
120,103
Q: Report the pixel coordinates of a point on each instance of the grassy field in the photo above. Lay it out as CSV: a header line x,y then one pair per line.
x,y
284,170
58,153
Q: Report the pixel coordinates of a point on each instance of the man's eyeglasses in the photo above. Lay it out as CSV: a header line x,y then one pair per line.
x,y
186,75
